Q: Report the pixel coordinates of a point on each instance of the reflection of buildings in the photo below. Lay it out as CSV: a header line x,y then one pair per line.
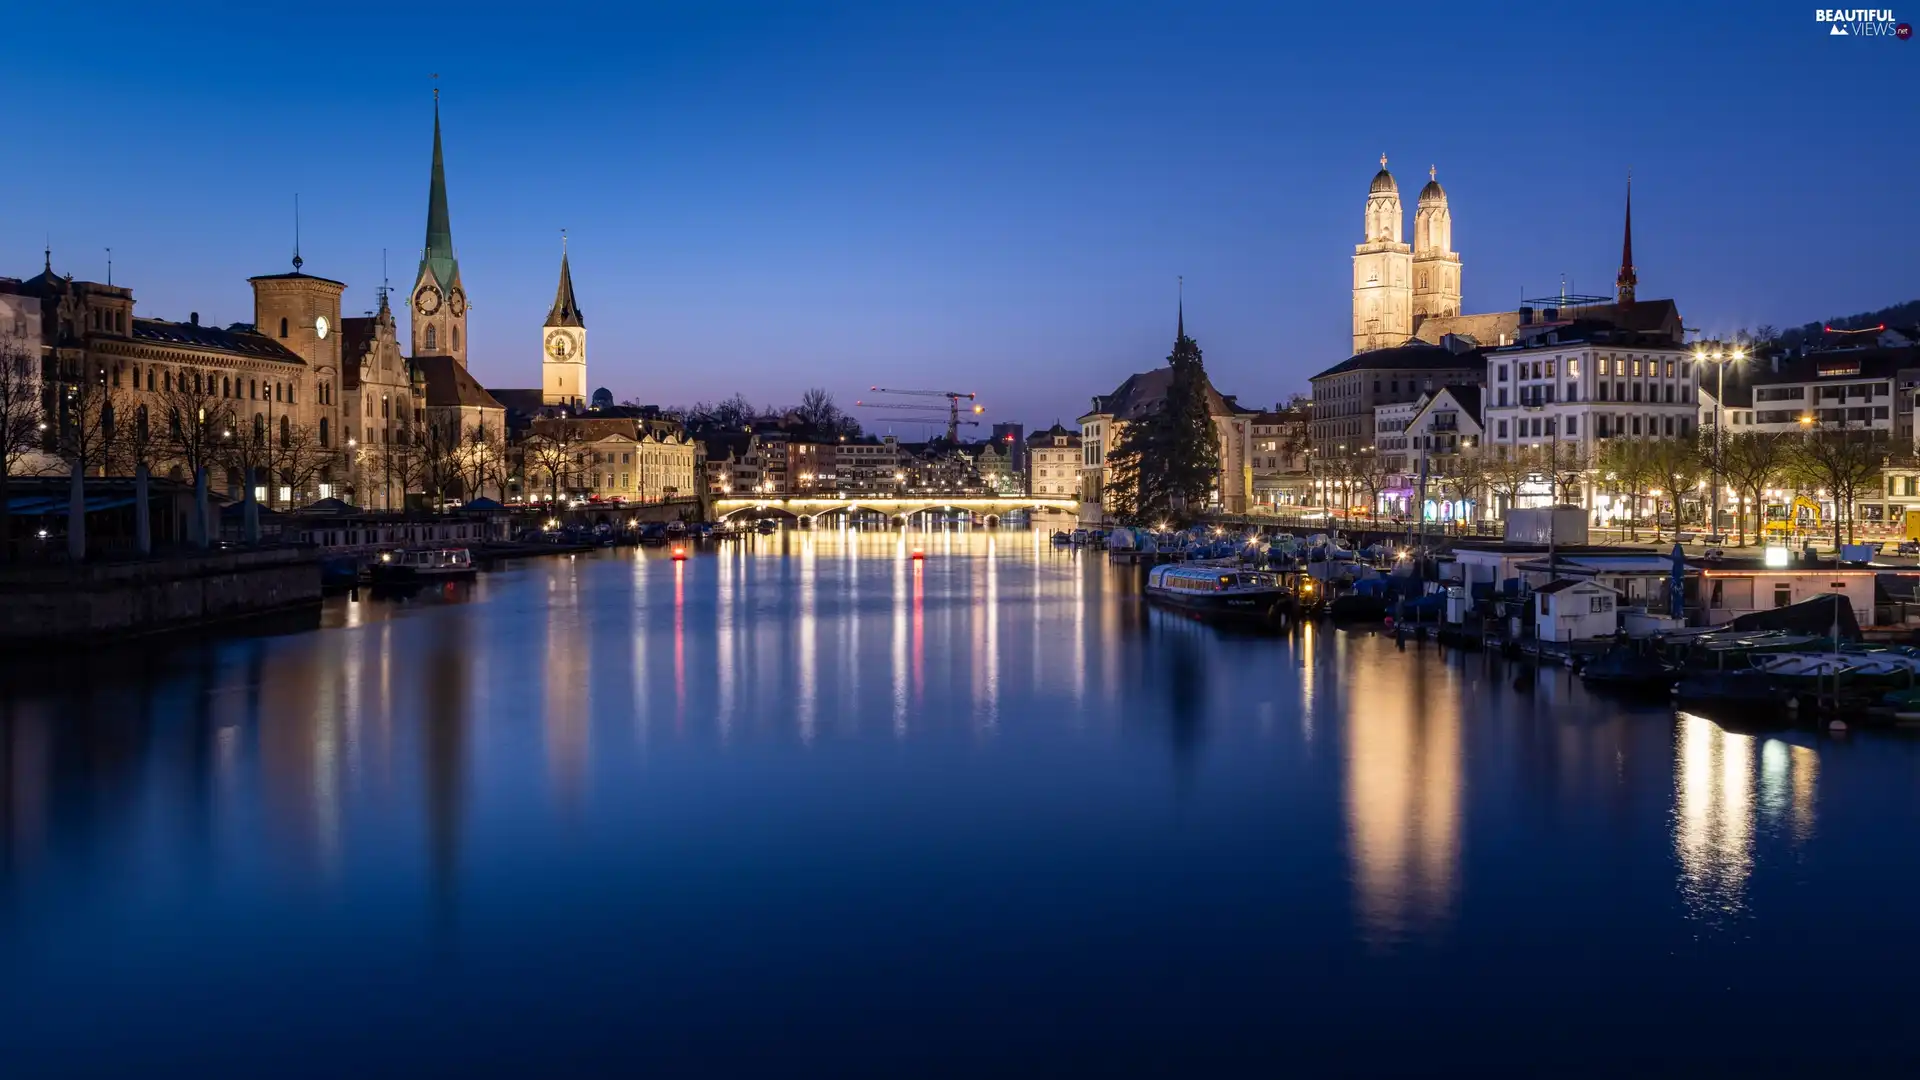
x,y
1717,791
1404,790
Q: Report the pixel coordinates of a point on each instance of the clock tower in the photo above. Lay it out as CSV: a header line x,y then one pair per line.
x,y
439,301
563,343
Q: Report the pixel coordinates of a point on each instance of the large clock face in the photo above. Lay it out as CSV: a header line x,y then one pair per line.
x,y
320,327
427,300
458,302
559,345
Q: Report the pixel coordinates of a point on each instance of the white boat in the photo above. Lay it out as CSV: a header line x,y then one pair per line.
x,y
1218,592
419,565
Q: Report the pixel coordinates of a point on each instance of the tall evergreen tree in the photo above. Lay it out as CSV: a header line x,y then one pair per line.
x,y
1165,462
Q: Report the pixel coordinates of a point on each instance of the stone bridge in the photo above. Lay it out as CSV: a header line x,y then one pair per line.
x,y
986,508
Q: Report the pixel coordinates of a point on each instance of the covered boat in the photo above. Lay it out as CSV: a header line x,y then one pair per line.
x,y
1218,593
414,566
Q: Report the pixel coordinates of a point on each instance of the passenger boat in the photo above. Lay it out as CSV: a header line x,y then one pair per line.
x,y
1218,593
415,566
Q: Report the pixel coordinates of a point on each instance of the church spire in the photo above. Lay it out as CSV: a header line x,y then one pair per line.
x,y
1624,282
566,311
438,254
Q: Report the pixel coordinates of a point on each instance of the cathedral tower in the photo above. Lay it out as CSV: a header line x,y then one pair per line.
x,y
1436,267
563,367
439,302
1382,274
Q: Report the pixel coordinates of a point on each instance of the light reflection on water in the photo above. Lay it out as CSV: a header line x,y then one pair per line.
x,y
810,784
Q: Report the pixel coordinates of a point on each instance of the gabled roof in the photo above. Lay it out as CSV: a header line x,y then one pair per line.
x,y
1045,438
1136,396
1563,584
1465,395
1874,362
1414,355
450,384
232,341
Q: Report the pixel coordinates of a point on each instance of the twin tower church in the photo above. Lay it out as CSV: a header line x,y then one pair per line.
x,y
439,302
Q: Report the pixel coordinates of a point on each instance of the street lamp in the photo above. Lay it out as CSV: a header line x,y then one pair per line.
x,y
1720,362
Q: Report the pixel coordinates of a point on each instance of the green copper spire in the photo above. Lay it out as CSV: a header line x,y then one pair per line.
x,y
438,255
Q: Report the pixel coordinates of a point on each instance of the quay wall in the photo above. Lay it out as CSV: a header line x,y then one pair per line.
x,y
45,604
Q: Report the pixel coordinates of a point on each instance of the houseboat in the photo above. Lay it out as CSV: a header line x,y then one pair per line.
x,y
1218,593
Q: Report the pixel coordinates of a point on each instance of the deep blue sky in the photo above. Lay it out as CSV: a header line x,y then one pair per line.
x,y
768,197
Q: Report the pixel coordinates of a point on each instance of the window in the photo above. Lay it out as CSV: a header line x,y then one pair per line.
x,y
1669,393
1669,369
1686,427
323,431
1603,391
1601,432
1669,426
1500,373
1573,425
1686,370
432,338
1782,594
283,328
1636,391
1599,604
286,430
456,337
1503,397
1503,429
259,430
1685,394
1636,369
1636,425
1549,369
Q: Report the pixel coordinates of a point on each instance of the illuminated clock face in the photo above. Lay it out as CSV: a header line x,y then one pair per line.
x,y
320,327
458,302
559,345
427,300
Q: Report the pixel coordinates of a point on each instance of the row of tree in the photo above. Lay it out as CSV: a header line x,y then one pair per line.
x,y
1674,475
817,409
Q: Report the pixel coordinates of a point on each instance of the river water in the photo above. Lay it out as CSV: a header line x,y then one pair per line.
x,y
804,806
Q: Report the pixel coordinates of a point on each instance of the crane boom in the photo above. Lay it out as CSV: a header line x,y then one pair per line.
x,y
953,397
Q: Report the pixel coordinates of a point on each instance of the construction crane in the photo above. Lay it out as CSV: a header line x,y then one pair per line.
x,y
954,397
923,414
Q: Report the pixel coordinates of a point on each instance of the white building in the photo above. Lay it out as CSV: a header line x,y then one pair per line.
x,y
20,352
1053,462
1571,609
1852,389
1574,385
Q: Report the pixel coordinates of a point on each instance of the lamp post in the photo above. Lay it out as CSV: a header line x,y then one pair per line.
x,y
1720,361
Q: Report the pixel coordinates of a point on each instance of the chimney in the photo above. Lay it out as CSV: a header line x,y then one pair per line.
x,y
194,318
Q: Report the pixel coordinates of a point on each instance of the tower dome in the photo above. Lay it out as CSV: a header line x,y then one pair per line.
x,y
1383,181
1433,192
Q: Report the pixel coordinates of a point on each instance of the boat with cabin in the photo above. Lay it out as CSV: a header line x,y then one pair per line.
x,y
1219,593
418,566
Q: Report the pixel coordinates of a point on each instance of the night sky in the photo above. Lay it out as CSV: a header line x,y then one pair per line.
x,y
769,197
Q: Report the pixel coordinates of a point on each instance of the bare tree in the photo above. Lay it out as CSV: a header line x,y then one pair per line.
x,y
1511,468
480,459
1629,468
1846,464
400,466
192,426
297,460
1676,467
551,450
1752,462
22,427
439,447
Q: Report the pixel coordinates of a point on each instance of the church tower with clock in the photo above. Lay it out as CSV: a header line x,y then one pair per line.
x,y
563,365
439,301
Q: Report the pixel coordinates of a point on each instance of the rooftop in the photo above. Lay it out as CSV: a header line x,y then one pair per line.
x,y
1415,355
240,339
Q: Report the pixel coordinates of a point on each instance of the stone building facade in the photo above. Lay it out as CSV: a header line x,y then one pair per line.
x,y
1053,462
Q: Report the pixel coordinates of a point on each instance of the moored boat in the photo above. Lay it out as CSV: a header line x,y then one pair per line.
x,y
1246,597
1624,667
416,566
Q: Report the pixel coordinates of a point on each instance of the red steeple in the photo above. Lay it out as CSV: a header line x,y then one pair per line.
x,y
1624,282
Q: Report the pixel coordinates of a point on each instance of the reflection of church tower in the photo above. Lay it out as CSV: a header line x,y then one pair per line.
x,y
439,301
1436,267
1403,781
1382,279
563,368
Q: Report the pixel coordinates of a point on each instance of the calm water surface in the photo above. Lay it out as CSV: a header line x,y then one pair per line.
x,y
804,807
